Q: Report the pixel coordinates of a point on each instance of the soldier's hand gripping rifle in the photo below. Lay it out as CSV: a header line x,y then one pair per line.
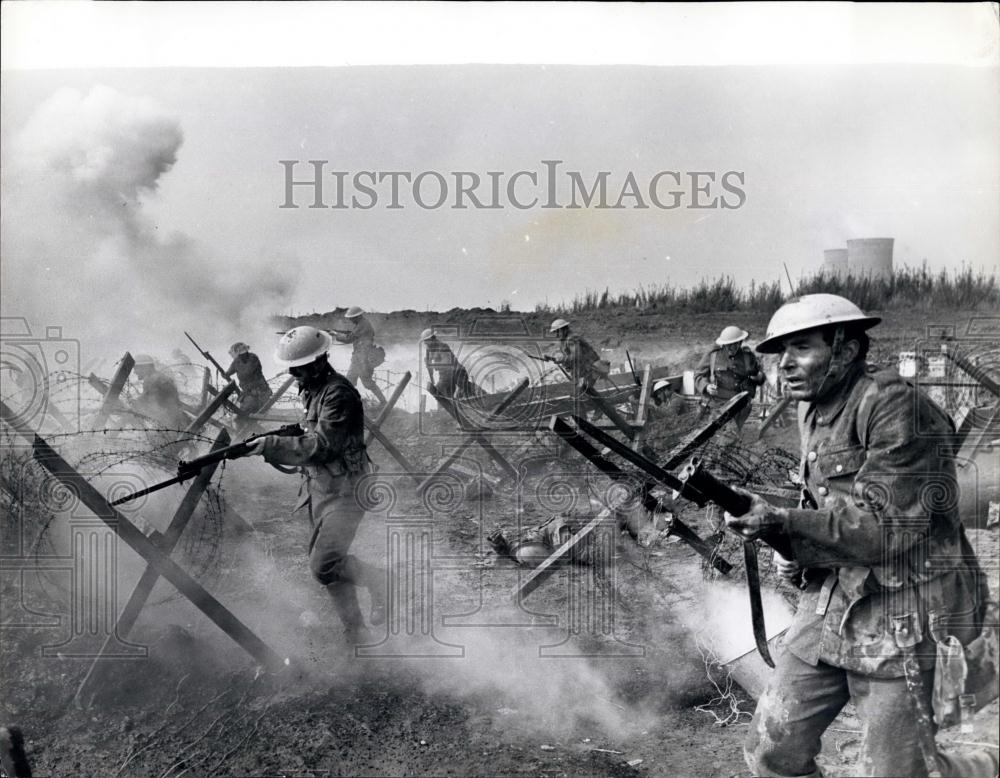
x,y
189,469
698,486
209,357
701,487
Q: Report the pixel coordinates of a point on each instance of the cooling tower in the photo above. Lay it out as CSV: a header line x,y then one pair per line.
x,y
870,257
835,263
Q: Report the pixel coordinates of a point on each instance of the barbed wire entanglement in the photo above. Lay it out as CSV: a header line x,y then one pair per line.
x,y
133,452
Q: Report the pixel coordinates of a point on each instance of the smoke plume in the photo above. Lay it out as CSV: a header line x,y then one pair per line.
x,y
81,249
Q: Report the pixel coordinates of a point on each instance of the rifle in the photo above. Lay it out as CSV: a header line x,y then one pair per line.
x,y
631,367
209,357
700,487
191,468
543,358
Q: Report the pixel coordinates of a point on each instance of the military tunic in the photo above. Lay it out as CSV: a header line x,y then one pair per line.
x,y
452,379
161,400
887,566
578,358
332,456
363,339
731,374
250,376
885,543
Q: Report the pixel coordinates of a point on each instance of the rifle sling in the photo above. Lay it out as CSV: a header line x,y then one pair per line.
x,y
756,603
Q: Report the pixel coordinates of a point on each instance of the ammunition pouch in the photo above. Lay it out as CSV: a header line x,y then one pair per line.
x,y
965,677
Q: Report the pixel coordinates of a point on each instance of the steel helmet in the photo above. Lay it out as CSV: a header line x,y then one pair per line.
x,y
731,335
809,312
301,345
239,348
142,360
558,324
663,383
353,312
426,334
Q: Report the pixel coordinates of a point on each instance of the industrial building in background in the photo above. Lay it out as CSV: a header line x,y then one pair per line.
x,y
863,258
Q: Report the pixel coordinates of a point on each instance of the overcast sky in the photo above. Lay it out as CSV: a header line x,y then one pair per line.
x,y
826,153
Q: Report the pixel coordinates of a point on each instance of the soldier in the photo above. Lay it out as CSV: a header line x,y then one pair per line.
x,y
884,564
160,399
727,370
332,456
363,362
578,358
452,378
254,391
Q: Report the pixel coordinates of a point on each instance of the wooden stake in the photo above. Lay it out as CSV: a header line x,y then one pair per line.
x,y
133,536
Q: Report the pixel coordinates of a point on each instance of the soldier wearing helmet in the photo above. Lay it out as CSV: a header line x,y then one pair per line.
x,y
728,369
254,391
332,456
577,357
363,360
447,376
886,571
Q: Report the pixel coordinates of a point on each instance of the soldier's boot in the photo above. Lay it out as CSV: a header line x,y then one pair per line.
x,y
373,579
375,390
345,601
981,763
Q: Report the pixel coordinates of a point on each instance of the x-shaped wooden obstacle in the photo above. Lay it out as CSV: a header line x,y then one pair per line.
x,y
476,436
166,543
151,551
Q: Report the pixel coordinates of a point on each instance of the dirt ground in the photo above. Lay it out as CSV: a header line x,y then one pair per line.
x,y
610,669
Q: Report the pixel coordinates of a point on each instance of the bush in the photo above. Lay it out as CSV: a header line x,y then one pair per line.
x,y
908,288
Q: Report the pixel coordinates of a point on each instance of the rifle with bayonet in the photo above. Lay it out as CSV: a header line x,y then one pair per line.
x,y
697,485
190,468
209,357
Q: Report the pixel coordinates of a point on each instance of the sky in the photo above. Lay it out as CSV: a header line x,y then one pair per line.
x,y
136,196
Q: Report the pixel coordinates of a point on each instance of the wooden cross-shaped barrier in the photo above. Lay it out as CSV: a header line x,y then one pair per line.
x,y
375,431
611,412
259,414
774,415
589,452
209,410
477,437
142,545
112,393
166,543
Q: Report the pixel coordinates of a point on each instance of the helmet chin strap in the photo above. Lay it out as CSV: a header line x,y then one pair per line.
x,y
836,363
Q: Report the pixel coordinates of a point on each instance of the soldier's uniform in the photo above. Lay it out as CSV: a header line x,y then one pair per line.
x,y
161,401
253,386
333,458
362,367
449,377
731,374
579,359
889,568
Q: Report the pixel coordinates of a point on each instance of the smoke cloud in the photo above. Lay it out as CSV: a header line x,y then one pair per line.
x,y
82,250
